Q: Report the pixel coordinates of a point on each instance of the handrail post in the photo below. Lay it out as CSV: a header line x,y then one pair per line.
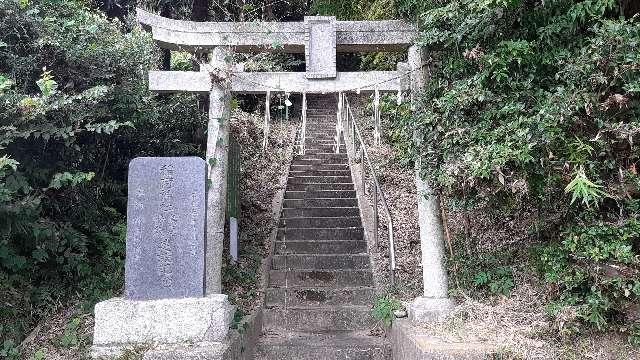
x,y
375,210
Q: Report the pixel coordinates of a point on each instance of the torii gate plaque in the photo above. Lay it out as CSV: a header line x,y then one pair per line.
x,y
319,37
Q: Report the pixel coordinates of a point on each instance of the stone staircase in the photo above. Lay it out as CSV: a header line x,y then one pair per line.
x,y
318,302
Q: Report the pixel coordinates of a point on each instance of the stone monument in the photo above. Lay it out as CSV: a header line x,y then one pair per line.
x,y
164,301
165,229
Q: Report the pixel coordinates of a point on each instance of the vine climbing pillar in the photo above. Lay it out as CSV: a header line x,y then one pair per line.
x,y
435,302
219,68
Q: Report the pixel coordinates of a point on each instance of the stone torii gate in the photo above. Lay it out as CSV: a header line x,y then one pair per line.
x,y
320,38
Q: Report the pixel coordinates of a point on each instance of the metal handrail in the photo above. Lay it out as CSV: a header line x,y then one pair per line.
x,y
353,134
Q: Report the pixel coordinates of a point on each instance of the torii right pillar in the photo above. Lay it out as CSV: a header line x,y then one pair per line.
x,y
435,302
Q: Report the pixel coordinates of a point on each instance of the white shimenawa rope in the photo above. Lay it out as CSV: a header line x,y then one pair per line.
x,y
357,90
267,118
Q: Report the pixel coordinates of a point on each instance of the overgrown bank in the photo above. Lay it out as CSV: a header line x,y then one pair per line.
x,y
74,110
528,125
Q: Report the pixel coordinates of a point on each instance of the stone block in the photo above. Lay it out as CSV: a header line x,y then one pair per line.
x,y
320,47
122,323
165,228
425,310
411,342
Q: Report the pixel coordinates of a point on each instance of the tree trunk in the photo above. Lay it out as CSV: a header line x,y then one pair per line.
x,y
267,11
166,54
200,10
629,7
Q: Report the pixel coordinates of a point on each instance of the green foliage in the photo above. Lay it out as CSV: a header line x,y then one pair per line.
x,y
582,188
182,61
69,337
497,280
484,273
594,270
384,307
535,105
9,350
634,335
38,355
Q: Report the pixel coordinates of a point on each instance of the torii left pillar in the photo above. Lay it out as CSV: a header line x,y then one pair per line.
x,y
219,69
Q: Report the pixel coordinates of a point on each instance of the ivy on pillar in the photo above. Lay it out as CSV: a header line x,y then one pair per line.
x,y
219,69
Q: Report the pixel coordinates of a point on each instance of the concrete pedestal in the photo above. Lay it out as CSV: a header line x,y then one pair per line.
x,y
424,310
121,323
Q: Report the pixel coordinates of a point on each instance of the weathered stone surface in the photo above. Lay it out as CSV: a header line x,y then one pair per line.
x,y
338,345
319,319
239,345
328,278
217,157
351,36
425,310
261,82
408,343
121,323
320,47
165,228
434,271
295,296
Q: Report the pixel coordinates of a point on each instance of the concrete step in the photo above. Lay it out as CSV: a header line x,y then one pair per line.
x,y
321,135
320,247
320,166
323,142
318,319
298,173
319,179
320,262
320,278
321,222
317,161
332,156
306,203
320,212
324,114
322,122
324,194
323,150
322,346
287,297
320,187
346,233
324,129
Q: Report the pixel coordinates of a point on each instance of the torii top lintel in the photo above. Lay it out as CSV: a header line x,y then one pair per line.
x,y
350,36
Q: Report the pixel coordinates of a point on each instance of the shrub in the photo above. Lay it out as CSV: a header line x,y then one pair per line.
x,y
74,110
594,270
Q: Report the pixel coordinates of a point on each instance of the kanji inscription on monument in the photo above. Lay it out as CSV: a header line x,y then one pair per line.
x,y
165,228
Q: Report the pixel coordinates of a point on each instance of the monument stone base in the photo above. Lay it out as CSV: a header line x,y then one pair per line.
x,y
123,324
425,310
